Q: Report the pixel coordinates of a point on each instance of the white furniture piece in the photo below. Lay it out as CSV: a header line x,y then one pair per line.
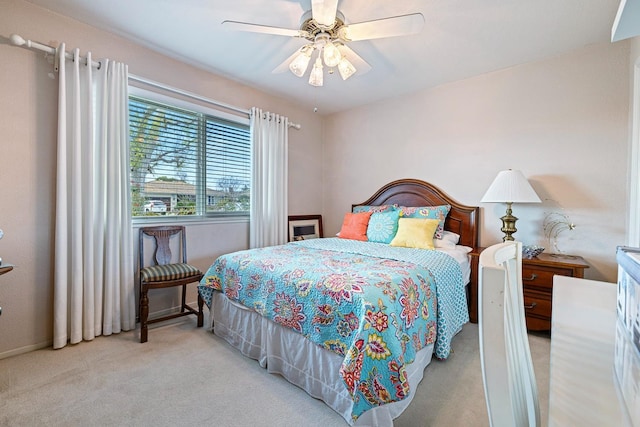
x,y
582,387
510,386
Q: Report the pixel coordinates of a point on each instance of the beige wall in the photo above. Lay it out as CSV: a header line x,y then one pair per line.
x,y
27,160
562,121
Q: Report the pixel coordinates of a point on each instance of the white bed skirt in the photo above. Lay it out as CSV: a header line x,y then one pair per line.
x,y
302,362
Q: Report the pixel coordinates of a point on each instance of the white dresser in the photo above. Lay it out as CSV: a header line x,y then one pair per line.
x,y
583,390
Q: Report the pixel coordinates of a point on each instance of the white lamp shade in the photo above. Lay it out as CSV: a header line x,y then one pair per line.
x,y
346,68
510,186
300,63
331,55
316,77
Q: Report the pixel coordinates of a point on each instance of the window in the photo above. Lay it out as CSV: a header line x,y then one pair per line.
x,y
187,163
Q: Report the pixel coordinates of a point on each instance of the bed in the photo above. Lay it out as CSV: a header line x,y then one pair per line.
x,y
357,339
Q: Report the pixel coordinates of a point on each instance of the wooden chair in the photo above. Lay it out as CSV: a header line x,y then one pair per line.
x,y
164,273
510,387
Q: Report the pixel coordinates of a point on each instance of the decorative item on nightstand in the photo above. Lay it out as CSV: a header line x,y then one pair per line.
x,y
553,225
531,251
510,186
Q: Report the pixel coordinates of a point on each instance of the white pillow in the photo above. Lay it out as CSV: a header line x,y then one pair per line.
x,y
451,237
443,244
449,240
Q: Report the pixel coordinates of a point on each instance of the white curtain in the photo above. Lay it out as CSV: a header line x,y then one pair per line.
x,y
270,138
94,275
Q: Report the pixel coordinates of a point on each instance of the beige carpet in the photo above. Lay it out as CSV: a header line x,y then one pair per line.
x,y
188,376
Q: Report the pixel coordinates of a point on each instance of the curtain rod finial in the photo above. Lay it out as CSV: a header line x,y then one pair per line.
x,y
17,40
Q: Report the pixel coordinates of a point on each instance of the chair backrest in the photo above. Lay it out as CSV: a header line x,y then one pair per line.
x,y
163,236
510,386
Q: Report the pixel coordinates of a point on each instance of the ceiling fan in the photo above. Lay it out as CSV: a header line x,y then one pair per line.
x,y
327,33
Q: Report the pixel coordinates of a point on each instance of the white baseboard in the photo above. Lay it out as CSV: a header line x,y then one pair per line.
x,y
25,349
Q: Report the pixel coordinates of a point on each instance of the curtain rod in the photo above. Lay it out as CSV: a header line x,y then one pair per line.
x,y
30,44
16,40
185,93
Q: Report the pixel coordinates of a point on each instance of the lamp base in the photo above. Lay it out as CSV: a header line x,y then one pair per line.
x,y
508,224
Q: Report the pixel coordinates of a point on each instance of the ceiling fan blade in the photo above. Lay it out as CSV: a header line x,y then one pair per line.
x,y
264,29
361,65
324,12
386,27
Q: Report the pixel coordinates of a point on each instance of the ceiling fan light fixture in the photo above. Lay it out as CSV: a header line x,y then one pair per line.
x,y
346,68
316,77
331,55
300,63
325,30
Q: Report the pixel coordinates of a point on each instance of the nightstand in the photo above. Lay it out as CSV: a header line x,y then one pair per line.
x,y
472,287
537,281
5,268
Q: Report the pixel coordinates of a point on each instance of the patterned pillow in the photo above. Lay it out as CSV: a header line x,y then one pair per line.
x,y
415,233
431,212
383,226
368,208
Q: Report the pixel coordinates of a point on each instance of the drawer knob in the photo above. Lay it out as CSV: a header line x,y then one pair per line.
x,y
532,277
530,306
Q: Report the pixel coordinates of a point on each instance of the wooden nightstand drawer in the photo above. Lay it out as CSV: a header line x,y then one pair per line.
x,y
537,276
537,309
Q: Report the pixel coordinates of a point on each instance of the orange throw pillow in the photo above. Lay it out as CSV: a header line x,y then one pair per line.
x,y
354,226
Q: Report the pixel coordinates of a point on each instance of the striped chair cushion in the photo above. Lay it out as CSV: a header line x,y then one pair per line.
x,y
161,273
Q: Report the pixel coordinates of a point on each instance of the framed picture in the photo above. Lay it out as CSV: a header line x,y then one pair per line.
x,y
304,227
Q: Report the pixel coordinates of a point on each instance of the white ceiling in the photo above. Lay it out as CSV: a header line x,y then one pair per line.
x,y
460,39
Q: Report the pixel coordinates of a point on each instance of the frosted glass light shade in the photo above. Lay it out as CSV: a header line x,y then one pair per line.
x,y
316,78
346,68
331,55
510,186
300,63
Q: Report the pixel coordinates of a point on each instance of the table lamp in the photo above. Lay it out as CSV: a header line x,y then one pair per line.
x,y
510,186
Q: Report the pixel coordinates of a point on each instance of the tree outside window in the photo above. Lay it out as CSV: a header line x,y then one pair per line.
x,y
192,163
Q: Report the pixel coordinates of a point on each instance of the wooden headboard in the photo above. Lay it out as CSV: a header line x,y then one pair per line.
x,y
462,219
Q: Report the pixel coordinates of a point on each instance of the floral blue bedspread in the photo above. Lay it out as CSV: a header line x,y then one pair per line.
x,y
374,304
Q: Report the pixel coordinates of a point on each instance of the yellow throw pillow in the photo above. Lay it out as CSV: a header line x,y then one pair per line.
x,y
415,233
